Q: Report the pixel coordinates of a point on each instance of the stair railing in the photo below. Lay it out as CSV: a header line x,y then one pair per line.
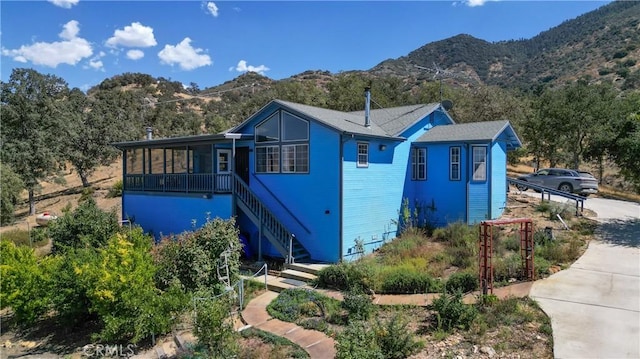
x,y
268,219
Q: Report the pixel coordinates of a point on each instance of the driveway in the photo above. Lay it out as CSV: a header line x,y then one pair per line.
x,y
595,304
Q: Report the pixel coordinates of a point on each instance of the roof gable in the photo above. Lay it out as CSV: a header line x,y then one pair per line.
x,y
488,131
396,120
340,121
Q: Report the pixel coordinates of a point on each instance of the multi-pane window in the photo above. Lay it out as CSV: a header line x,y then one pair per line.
x,y
285,137
268,159
223,161
479,163
454,163
363,154
418,164
295,158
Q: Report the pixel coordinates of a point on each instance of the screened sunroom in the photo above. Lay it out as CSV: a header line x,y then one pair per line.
x,y
194,164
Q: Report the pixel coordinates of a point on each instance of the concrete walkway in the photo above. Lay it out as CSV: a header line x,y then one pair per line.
x,y
316,343
594,305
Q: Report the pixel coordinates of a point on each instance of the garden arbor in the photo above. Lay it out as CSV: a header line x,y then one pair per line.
x,y
485,252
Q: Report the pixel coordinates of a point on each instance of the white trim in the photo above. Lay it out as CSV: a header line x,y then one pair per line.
x,y
358,154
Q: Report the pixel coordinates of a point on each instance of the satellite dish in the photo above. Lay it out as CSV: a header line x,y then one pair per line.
x,y
447,104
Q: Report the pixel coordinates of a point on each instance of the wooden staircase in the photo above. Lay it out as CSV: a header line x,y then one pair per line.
x,y
268,224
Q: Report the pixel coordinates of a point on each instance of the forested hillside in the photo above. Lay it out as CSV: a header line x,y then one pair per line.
x,y
603,45
572,93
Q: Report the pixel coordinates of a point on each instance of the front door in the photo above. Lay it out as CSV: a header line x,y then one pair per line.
x,y
242,163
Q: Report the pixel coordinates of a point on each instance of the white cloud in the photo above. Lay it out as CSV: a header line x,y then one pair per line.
x,y
135,35
69,51
212,8
67,4
96,64
70,30
135,54
474,3
185,55
242,67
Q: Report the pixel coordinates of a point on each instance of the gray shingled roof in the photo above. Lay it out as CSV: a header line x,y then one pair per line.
x,y
475,131
396,119
342,121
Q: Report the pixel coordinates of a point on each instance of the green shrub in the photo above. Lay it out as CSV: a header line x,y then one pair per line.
x,y
292,304
214,329
543,206
395,339
461,240
345,276
358,341
452,313
86,226
122,292
115,190
541,266
463,282
565,210
71,297
26,283
511,244
403,279
192,257
358,305
86,194
507,267
39,236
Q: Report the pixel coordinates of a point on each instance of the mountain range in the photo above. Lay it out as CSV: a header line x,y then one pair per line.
x,y
602,45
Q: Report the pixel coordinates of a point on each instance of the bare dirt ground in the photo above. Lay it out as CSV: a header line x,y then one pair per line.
x,y
55,197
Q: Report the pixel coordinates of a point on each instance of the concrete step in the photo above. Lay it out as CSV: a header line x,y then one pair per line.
x,y
307,267
278,284
298,275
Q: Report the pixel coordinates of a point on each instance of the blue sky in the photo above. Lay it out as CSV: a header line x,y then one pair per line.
x,y
85,42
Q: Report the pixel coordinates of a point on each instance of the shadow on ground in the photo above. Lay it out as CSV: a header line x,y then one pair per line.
x,y
621,232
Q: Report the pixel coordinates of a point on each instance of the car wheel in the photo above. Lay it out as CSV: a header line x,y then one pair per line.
x,y
566,187
521,187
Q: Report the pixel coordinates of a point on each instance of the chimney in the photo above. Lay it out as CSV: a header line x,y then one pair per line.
x,y
149,133
367,106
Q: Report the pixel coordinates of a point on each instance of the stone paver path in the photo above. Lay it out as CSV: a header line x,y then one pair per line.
x,y
316,343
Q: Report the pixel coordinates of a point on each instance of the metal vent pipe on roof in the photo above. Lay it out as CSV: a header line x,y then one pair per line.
x,y
367,106
149,132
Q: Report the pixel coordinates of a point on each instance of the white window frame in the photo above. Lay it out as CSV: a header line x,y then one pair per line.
x,y
479,168
418,164
228,162
362,154
454,160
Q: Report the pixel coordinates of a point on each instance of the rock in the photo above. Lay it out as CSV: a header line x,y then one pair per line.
x,y
7,344
475,349
488,350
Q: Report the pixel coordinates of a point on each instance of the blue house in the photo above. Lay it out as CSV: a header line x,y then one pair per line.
x,y
313,184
